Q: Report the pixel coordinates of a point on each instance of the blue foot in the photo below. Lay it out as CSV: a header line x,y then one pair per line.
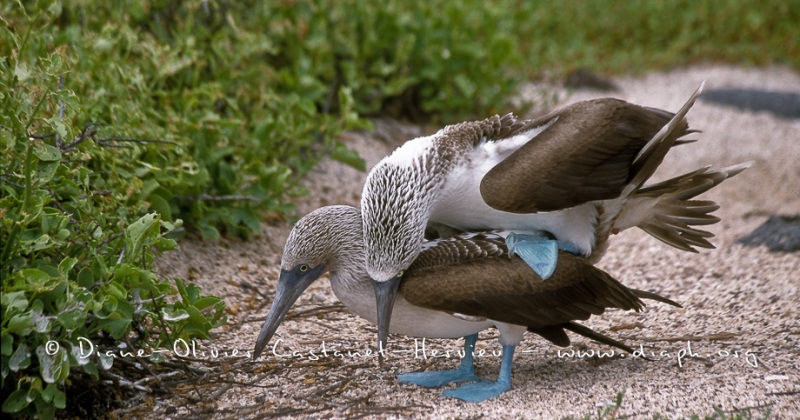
x,y
464,373
484,390
437,378
478,391
539,252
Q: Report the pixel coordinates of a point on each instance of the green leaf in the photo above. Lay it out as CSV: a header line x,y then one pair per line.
x,y
36,277
117,291
22,72
86,278
53,367
72,320
91,369
20,324
46,152
21,358
45,171
66,266
48,392
206,301
161,206
348,156
60,129
118,322
248,218
7,344
136,233
41,322
13,302
16,401
59,399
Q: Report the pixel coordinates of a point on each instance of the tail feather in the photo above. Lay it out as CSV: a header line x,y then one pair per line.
x,y
555,334
665,209
643,294
596,336
673,216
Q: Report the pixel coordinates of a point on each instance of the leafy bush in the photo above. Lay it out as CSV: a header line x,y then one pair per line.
x,y
420,60
78,238
620,36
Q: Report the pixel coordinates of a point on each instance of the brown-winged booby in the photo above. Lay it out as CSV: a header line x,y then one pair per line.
x,y
456,287
566,180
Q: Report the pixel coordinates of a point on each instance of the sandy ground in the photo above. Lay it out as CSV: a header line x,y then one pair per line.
x,y
735,345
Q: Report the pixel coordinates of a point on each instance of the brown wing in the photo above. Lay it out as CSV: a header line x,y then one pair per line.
x,y
507,290
585,154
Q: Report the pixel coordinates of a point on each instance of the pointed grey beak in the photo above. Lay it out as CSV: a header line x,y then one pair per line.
x,y
385,293
290,286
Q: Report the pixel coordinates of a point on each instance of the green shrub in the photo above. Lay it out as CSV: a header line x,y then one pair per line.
x,y
621,36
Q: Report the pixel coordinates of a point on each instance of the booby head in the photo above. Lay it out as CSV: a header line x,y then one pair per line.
x,y
394,221
318,243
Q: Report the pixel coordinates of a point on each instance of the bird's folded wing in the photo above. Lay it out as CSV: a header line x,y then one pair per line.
x,y
585,154
507,290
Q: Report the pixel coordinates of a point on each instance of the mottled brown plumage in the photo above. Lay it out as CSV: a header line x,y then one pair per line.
x,y
472,275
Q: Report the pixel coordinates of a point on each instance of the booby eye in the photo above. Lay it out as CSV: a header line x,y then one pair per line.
x,y
400,273
303,268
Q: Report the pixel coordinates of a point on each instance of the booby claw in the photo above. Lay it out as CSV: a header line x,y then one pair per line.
x,y
464,373
539,252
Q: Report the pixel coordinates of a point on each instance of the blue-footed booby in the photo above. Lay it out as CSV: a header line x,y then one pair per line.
x,y
565,181
456,287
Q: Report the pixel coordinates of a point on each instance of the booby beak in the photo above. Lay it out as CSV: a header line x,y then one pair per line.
x,y
385,294
290,286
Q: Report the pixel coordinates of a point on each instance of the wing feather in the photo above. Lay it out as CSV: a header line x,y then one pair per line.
x,y
586,154
482,281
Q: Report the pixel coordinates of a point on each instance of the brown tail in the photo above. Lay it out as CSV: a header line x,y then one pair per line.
x,y
557,336
655,296
675,213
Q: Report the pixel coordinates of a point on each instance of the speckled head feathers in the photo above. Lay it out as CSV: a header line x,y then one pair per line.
x,y
401,190
394,219
325,236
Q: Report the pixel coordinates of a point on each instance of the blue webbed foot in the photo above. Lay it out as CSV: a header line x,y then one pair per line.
x,y
478,391
464,373
539,252
484,390
438,378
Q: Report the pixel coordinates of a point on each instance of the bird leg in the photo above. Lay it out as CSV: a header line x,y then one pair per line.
x,y
539,252
465,371
484,390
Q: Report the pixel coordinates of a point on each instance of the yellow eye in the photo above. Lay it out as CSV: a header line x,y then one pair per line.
x,y
303,268
400,273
